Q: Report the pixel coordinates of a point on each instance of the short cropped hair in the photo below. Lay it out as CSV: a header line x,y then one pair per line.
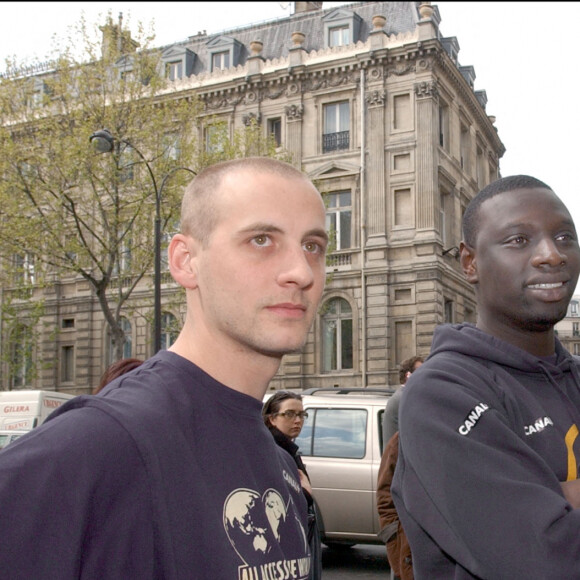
x,y
408,366
199,212
502,185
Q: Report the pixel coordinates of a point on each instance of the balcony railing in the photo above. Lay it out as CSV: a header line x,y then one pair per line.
x,y
338,260
335,141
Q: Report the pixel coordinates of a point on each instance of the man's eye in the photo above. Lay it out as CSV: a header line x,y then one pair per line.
x,y
261,240
566,237
313,248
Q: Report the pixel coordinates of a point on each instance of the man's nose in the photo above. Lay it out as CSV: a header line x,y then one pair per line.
x,y
296,268
548,252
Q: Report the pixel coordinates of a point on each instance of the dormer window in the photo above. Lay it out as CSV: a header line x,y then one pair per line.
x,y
339,35
341,27
220,60
177,62
125,67
224,52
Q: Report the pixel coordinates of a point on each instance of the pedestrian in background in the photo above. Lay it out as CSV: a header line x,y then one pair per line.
x,y
391,530
115,370
486,483
284,415
391,414
169,472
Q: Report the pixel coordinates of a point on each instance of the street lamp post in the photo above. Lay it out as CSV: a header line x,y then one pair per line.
x,y
104,142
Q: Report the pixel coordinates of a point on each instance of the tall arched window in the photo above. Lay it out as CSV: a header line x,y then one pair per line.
x,y
337,338
169,330
127,345
21,357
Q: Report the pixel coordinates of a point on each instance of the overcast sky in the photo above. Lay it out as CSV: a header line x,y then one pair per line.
x,y
524,56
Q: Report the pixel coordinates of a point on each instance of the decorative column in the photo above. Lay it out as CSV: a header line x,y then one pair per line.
x,y
375,101
294,126
427,98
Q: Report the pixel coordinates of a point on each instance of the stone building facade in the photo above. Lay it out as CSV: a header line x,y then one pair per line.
x,y
373,104
568,329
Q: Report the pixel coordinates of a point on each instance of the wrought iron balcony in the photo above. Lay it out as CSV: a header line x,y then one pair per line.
x,y
335,141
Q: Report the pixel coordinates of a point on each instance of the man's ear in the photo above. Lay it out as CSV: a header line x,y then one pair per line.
x,y
182,253
468,263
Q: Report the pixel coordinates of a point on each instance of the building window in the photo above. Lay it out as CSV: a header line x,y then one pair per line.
x,y
67,362
124,258
339,219
127,341
481,169
574,308
448,311
21,357
275,130
177,62
446,219
126,163
174,70
341,27
337,339
575,329
220,60
24,270
216,137
339,36
169,330
469,316
68,323
577,348
465,146
444,126
336,127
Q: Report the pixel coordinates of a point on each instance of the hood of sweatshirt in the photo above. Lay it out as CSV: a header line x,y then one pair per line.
x,y
468,340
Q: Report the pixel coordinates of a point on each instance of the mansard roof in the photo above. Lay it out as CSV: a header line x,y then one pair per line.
x,y
275,35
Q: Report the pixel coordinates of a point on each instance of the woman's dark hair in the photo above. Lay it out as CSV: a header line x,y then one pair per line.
x,y
116,370
273,404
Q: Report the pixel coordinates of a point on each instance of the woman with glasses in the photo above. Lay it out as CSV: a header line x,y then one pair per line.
x,y
284,416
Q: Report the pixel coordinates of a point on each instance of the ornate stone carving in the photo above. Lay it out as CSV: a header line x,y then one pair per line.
x,y
252,118
376,98
426,89
400,69
294,112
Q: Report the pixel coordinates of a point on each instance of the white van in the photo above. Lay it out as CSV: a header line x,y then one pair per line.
x,y
21,411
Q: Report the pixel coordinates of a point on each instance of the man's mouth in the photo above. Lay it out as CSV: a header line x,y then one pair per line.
x,y
547,286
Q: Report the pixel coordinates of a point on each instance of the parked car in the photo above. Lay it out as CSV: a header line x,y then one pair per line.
x,y
341,445
7,436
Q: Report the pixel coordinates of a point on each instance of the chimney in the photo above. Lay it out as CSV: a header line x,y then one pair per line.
x,y
300,7
116,41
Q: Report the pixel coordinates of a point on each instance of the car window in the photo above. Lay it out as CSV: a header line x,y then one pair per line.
x,y
6,438
334,433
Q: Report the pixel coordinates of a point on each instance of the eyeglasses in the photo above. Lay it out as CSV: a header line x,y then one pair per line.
x,y
290,414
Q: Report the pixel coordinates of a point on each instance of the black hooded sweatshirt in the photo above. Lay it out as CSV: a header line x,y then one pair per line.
x,y
487,433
